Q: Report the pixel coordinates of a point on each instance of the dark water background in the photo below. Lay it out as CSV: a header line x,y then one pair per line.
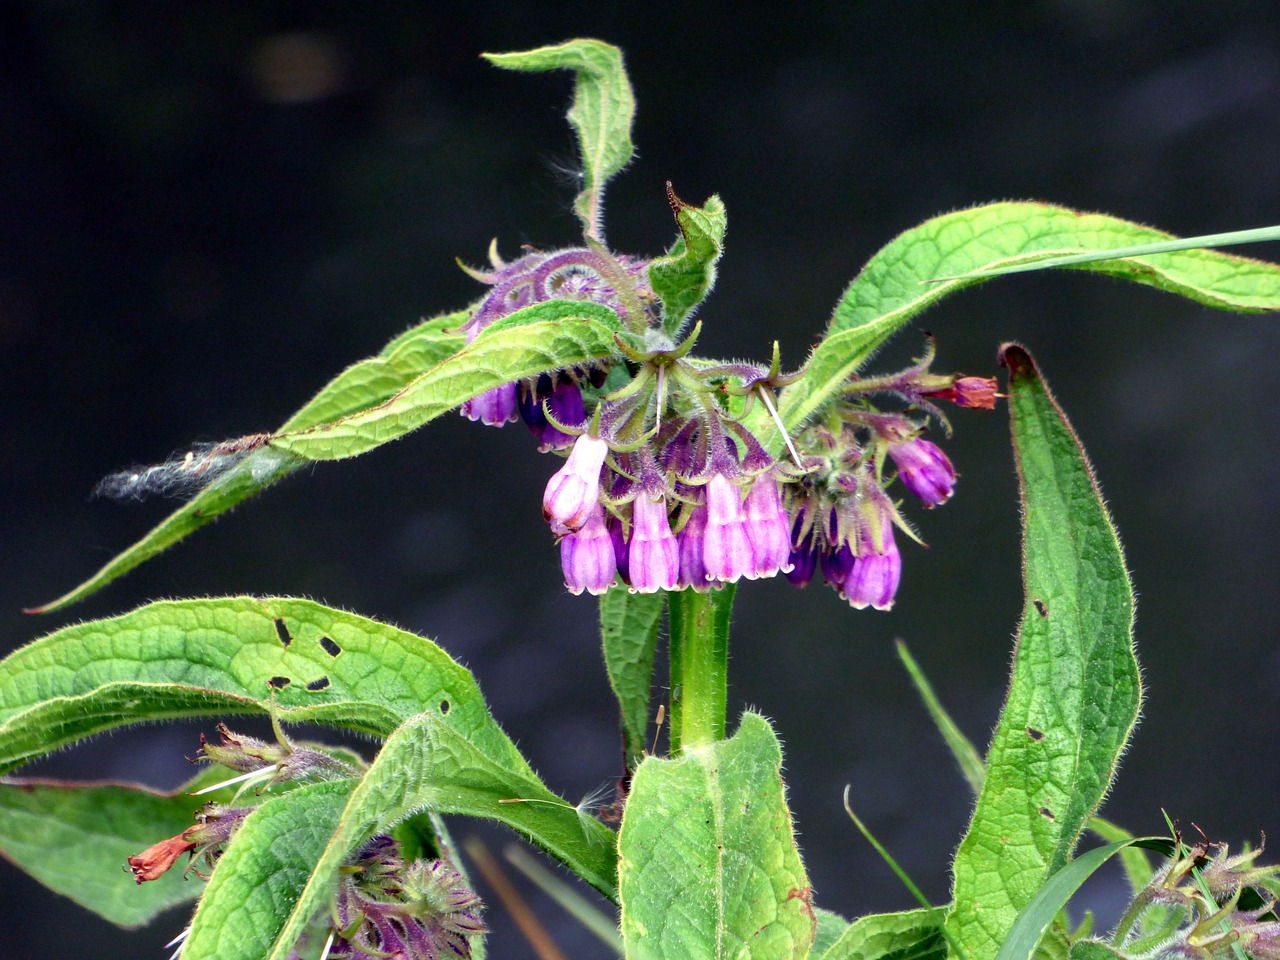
x,y
206,210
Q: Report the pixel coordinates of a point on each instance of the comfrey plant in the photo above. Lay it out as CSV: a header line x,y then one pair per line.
x,y
682,476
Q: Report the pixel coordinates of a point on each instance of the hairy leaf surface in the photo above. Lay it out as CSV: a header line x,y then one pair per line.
x,y
629,634
708,864
217,657
1073,698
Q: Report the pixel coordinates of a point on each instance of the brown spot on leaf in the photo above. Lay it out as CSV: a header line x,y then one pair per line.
x,y
1041,608
1047,813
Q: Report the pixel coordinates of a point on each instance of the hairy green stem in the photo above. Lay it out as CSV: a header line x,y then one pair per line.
x,y
699,649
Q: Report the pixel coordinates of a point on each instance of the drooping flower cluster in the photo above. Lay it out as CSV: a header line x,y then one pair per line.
x,y
410,910
666,485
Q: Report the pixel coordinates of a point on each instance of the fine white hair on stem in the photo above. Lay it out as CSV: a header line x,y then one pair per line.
x,y
191,471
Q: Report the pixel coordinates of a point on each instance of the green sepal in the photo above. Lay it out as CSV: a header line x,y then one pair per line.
x,y
683,278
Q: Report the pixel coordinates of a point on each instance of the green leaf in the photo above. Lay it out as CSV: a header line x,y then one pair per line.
x,y
75,837
912,935
215,657
429,765
895,285
1137,865
1042,262
1023,936
966,754
629,634
263,871
683,278
538,339
1073,698
708,863
601,113
362,385
830,928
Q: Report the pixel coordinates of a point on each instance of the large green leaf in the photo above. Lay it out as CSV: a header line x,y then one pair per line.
x,y
913,935
538,339
1073,698
896,286
216,657
629,634
263,872
362,385
429,765
708,866
683,278
601,113
75,837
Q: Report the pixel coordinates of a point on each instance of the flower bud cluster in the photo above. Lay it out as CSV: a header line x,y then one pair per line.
x,y
666,488
387,906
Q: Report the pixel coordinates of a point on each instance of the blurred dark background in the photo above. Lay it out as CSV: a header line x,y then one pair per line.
x,y
207,210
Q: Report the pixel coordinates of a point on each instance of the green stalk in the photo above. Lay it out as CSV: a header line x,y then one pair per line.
x,y
699,648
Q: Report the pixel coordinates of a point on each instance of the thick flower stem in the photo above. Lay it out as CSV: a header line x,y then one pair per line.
x,y
699,666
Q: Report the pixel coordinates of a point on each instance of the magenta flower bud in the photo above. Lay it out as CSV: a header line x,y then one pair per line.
x,y
493,407
692,540
575,488
803,560
873,581
925,470
836,562
726,551
767,527
654,556
587,556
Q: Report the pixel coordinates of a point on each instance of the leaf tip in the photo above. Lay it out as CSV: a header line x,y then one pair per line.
x,y
1016,359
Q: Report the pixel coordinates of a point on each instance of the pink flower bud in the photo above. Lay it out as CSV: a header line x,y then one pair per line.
x,y
654,555
726,550
575,488
925,470
587,556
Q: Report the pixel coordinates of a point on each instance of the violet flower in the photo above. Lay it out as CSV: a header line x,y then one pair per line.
x,y
924,469
587,556
873,579
654,556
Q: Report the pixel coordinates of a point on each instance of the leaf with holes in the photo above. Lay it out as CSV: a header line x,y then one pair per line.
x,y
430,765
233,656
1073,698
708,865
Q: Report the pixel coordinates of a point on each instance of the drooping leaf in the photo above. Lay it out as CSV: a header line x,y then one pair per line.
x,y
362,385
629,634
708,866
601,113
429,765
1073,697
218,657
683,278
75,838
568,333
265,868
912,935
896,284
